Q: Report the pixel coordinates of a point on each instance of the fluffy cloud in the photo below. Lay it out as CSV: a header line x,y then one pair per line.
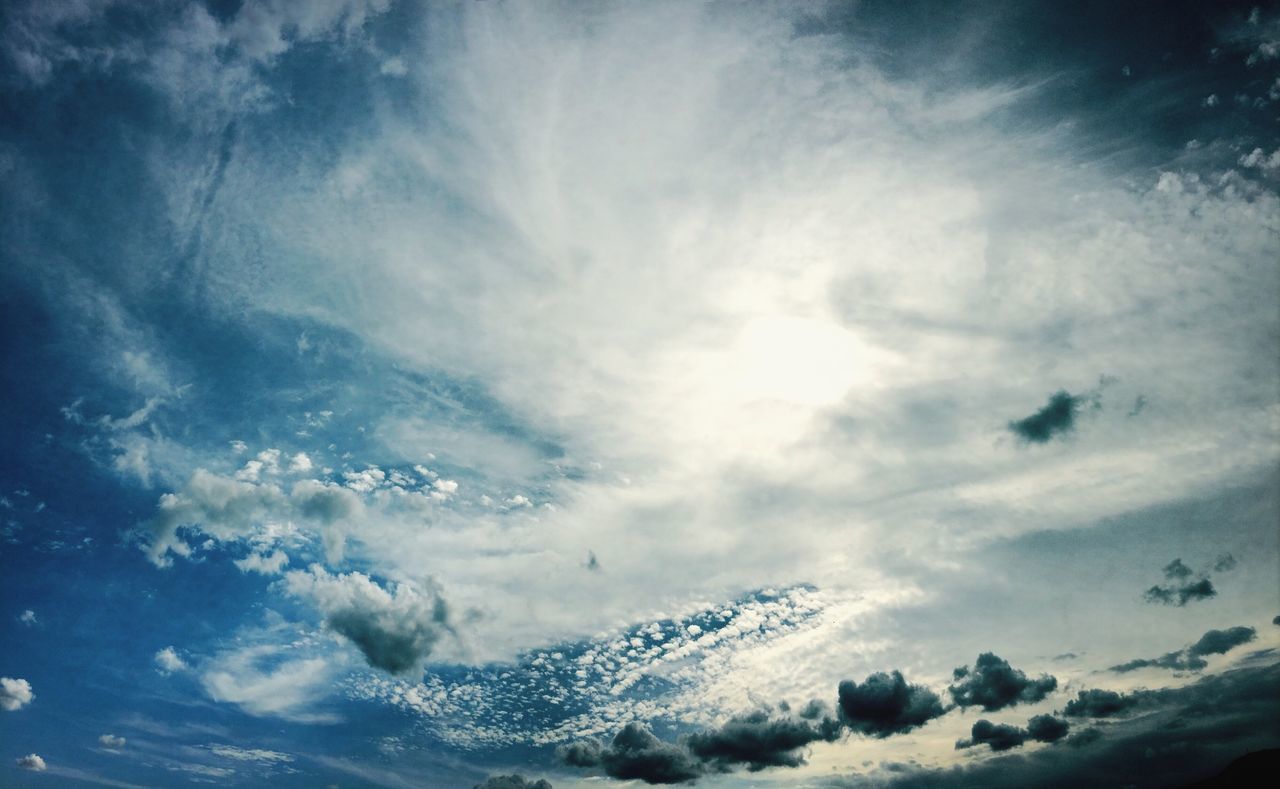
x,y
759,741
111,741
1098,703
885,704
1181,589
168,661
267,680
1214,642
993,684
1047,728
28,617
15,694
1003,737
395,628
32,762
635,753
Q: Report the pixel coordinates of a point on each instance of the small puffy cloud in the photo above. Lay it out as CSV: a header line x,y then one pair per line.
x,y
264,564
394,67
28,618
395,628
1057,417
514,781
997,736
635,754
886,704
111,741
168,662
15,694
32,762
1180,588
1097,703
1047,728
300,463
1177,570
993,684
759,741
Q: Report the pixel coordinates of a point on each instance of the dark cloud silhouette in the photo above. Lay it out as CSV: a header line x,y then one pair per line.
x,y
885,704
759,741
1096,703
1225,563
993,684
1214,642
1180,595
1177,570
1058,416
1187,734
997,736
513,782
1047,728
592,562
1276,620
635,753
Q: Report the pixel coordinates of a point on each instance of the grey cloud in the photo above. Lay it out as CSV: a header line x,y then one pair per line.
x,y
1225,563
1058,416
1176,569
1214,642
395,628
1180,595
1096,703
514,781
885,704
993,684
1047,728
1275,620
759,741
635,753
997,736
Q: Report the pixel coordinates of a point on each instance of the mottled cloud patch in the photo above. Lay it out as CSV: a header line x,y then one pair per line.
x,y
395,628
111,741
15,694
993,684
886,704
1214,642
1056,418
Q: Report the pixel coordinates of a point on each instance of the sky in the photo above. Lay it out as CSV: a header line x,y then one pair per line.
x,y
873,395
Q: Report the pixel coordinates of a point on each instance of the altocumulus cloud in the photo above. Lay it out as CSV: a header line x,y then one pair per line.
x,y
15,694
395,628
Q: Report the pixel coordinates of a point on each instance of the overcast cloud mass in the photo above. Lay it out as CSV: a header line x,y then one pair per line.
x,y
511,394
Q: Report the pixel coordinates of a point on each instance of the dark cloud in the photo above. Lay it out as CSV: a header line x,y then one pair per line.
x,y
1180,595
1188,734
997,736
1047,728
1276,620
759,741
1096,703
1177,570
592,562
1214,642
1057,417
1225,563
885,704
993,684
635,753
513,782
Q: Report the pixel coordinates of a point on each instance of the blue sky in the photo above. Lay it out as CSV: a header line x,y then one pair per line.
x,y
405,394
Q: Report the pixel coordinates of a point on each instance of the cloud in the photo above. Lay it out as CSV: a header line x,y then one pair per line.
x,y
759,741
111,741
885,704
1047,728
514,781
168,661
993,684
267,680
264,564
634,754
998,736
1097,703
238,754
28,618
15,694
1181,589
395,628
32,762
1057,417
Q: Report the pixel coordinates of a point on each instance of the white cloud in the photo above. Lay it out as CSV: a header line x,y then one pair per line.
x,y
15,694
111,741
32,762
299,463
1261,160
266,680
249,754
28,617
168,661
264,564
